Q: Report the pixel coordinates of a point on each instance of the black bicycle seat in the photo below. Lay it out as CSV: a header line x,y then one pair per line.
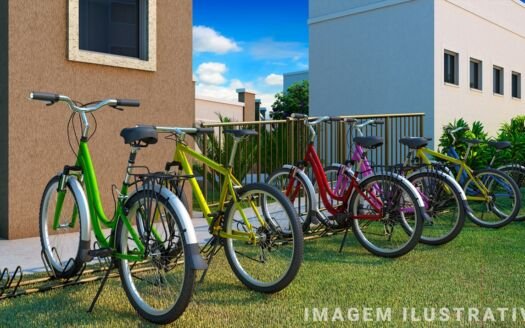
x,y
500,144
145,134
240,133
370,142
471,141
414,142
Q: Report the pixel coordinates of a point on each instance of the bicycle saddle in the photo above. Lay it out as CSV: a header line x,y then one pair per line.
x,y
471,141
414,142
145,134
240,133
369,142
500,144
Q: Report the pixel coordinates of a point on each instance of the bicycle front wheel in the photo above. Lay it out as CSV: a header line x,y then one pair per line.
x,y
500,205
390,202
160,284
267,248
443,204
61,239
517,173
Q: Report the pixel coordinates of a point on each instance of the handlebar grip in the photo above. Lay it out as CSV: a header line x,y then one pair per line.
x,y
379,122
44,96
335,119
298,115
128,102
205,130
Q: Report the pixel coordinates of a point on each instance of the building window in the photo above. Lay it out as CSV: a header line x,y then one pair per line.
x,y
498,80
475,74
118,27
516,85
113,32
451,67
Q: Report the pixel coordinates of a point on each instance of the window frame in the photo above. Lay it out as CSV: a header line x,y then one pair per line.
x,y
479,76
518,85
455,55
501,85
92,57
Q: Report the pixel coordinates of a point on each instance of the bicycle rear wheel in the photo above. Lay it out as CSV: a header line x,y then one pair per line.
x,y
294,188
504,203
517,173
443,204
160,286
392,200
271,261
61,244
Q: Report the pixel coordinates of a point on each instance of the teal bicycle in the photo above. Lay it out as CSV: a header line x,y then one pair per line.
x,y
150,236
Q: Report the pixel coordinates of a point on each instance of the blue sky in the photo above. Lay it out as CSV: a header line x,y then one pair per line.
x,y
248,44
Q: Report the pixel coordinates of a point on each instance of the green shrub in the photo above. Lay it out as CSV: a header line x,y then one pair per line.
x,y
480,156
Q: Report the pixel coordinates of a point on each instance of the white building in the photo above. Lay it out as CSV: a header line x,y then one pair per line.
x,y
447,58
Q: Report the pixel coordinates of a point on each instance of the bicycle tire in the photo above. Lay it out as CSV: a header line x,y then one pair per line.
x,y
280,178
278,230
432,187
387,181
502,219
162,258
61,267
517,173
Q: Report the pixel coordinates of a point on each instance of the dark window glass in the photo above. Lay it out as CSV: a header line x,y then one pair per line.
x,y
450,68
498,80
516,85
475,75
114,27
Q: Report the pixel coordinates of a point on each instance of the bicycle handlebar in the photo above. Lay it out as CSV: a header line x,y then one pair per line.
x,y
45,96
190,131
53,98
461,128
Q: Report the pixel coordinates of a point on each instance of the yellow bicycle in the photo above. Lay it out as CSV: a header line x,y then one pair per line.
x,y
255,223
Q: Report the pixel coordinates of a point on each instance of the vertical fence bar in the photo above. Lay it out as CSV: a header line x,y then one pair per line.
x,y
387,141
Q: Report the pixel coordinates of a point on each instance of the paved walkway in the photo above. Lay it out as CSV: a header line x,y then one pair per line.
x,y
26,252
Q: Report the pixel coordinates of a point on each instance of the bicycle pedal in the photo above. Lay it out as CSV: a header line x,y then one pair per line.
x,y
101,252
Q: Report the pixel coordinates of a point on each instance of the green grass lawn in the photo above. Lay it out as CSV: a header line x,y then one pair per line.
x,y
481,268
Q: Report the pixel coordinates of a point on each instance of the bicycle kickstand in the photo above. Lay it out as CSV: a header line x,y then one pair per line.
x,y
343,241
211,248
102,284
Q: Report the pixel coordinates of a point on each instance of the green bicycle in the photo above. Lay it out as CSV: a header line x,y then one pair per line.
x,y
494,199
255,223
156,266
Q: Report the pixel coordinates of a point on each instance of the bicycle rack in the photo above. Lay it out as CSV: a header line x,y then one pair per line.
x,y
14,284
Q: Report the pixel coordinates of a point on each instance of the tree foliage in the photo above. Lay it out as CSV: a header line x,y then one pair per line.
x,y
294,100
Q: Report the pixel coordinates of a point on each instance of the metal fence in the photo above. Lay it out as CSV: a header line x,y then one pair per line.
x,y
282,142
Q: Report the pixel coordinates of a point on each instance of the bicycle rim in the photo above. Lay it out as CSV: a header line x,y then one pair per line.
x,y
387,236
504,199
158,285
271,262
60,245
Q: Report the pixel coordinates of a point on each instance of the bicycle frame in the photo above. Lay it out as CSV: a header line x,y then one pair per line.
x,y
463,168
182,151
325,189
99,220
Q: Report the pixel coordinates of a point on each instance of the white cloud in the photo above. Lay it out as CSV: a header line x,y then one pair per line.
x,y
270,49
211,73
206,39
274,79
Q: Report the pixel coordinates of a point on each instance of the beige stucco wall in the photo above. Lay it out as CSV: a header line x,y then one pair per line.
x,y
489,30
207,110
38,146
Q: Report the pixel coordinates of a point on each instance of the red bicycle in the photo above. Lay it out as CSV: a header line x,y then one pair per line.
x,y
373,207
